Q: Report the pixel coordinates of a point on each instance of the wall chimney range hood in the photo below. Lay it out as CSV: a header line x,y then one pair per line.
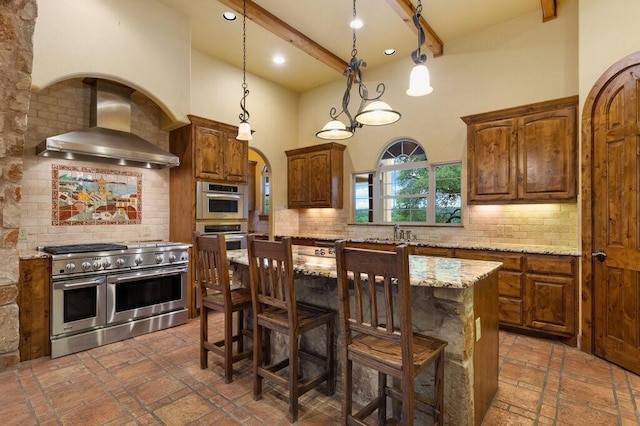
x,y
109,138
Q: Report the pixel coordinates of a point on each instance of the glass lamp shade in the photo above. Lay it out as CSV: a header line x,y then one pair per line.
x,y
377,113
334,130
419,81
244,132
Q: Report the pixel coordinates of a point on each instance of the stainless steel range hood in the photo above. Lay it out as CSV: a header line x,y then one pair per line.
x,y
109,139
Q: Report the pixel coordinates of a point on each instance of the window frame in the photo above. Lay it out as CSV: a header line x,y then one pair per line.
x,y
376,200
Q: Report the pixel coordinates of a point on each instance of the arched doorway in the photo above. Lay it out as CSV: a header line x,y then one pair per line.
x,y
259,220
611,215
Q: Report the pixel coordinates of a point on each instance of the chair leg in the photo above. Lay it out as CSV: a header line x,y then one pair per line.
x,y
293,376
439,388
382,398
240,331
257,361
347,387
228,346
204,336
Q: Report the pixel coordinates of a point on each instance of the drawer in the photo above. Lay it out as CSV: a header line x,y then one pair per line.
x,y
510,311
510,283
549,264
510,261
432,251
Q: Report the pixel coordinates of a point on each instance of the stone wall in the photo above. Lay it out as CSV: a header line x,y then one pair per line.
x,y
17,23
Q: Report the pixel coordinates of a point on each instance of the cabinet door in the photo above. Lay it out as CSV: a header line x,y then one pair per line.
x,y
492,161
251,186
547,155
550,303
297,180
319,178
550,300
209,154
236,155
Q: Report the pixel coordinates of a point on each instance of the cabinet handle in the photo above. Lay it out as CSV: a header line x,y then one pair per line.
x,y
599,255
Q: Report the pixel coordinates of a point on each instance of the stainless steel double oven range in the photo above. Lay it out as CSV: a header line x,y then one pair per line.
x,y
103,293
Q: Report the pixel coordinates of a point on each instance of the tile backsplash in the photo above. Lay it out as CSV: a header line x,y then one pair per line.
x,y
526,224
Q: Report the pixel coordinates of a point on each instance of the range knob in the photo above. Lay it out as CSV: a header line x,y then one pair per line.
x,y
86,266
138,260
70,267
120,262
96,265
106,263
159,258
172,258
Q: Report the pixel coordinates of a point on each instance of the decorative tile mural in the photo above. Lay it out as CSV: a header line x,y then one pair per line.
x,y
91,196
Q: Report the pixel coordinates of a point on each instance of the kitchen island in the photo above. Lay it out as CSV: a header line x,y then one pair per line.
x,y
455,300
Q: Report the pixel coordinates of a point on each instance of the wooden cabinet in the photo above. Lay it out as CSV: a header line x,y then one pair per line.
x,y
217,156
314,176
551,293
34,293
208,151
525,154
510,282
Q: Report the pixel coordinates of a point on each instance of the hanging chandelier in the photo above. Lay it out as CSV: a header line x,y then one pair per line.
x,y
244,130
375,113
419,80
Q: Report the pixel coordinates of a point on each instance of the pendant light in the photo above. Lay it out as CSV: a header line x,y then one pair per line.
x,y
244,130
419,80
375,113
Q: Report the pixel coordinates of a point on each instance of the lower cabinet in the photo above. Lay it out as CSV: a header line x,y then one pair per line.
x,y
551,293
536,292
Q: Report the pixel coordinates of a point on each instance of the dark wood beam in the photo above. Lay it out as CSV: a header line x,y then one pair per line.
x,y
406,10
286,32
548,10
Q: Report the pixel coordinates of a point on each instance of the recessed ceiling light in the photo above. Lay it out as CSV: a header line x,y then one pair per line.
x,y
229,16
356,23
389,52
278,59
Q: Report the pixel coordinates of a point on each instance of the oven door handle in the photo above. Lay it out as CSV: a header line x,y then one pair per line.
x,y
83,284
231,196
136,277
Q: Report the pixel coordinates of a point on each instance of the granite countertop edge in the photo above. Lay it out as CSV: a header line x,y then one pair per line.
x,y
517,248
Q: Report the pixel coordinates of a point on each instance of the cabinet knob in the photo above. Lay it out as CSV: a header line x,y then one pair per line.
x,y
599,255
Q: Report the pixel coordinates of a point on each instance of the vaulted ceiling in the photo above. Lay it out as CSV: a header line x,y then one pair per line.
x,y
315,40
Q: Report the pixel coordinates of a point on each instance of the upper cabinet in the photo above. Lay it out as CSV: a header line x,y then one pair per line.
x,y
525,154
314,176
213,150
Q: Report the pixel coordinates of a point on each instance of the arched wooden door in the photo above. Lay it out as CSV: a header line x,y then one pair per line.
x,y
614,253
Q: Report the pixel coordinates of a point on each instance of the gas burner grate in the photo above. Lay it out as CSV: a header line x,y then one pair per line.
x,y
83,248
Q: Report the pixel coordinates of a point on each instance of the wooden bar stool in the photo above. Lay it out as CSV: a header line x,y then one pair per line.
x,y
212,271
275,308
374,297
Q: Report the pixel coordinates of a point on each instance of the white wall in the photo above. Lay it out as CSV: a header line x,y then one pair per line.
x,y
140,43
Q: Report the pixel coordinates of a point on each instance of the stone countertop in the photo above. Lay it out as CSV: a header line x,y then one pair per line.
x,y
518,248
426,271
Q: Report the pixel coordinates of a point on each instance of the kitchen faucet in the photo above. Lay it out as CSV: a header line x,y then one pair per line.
x,y
396,231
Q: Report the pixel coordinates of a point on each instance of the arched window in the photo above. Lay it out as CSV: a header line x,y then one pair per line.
x,y
405,188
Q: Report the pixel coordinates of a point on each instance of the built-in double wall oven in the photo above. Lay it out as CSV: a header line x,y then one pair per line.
x,y
235,232
216,201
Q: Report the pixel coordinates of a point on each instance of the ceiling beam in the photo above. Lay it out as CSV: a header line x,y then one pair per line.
x,y
286,32
406,10
548,10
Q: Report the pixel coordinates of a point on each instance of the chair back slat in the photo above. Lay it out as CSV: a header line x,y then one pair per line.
x,y
271,268
374,292
212,269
